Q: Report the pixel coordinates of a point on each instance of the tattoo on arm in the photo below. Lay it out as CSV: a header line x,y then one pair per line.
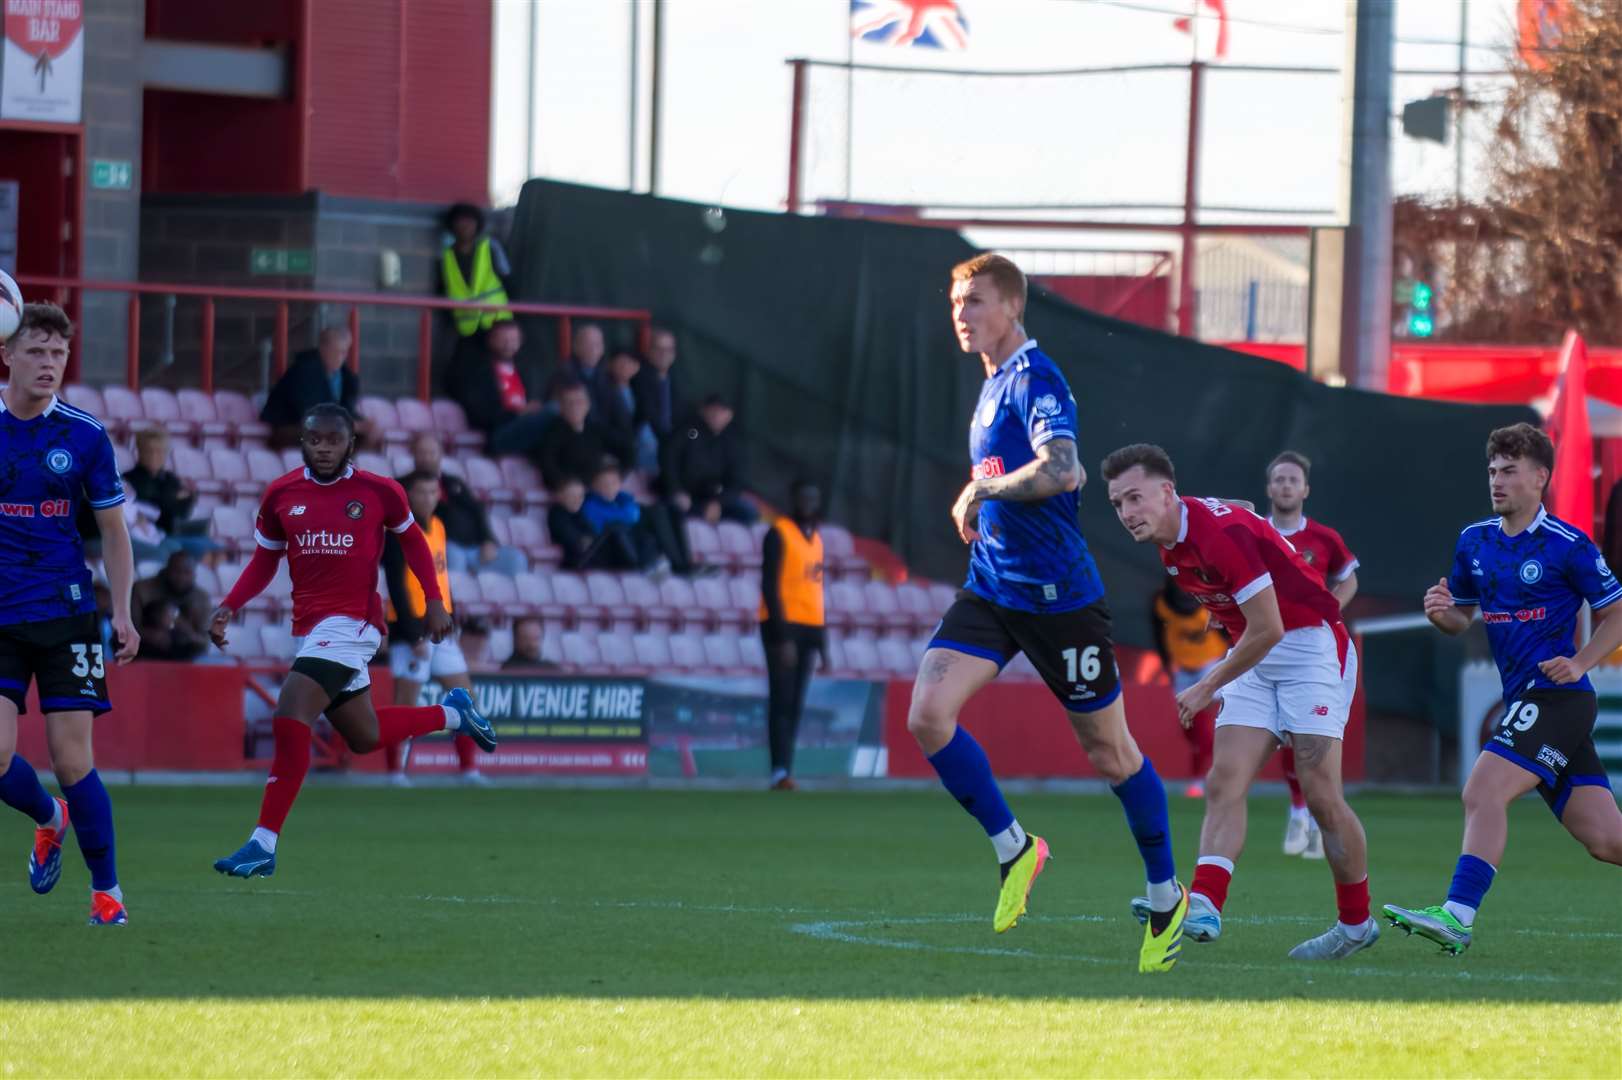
x,y
1053,471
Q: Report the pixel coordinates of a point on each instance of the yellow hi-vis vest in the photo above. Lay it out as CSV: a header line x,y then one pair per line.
x,y
485,289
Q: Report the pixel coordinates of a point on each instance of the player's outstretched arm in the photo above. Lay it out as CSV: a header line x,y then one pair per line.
x,y
1444,613
1055,471
118,558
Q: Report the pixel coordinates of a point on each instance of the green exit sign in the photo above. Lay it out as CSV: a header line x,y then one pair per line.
x,y
281,261
111,175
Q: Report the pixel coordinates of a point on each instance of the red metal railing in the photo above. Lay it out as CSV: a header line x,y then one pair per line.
x,y
565,314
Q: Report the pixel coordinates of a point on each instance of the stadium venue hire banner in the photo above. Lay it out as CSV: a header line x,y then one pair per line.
x,y
833,339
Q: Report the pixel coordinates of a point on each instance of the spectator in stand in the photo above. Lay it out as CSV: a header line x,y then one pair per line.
x,y
527,641
575,443
1189,645
473,268
613,403
586,350
316,376
702,471
177,583
155,485
791,622
657,538
471,545
491,393
571,530
658,403
165,636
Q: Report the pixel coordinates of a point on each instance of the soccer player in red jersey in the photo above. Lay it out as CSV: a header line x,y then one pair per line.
x,y
1325,551
1289,676
330,519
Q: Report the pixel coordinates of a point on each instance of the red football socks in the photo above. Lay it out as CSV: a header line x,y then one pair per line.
x,y
1353,902
397,723
1298,801
287,770
1211,881
466,753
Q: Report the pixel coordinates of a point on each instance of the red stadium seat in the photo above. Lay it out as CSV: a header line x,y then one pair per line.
x,y
845,605
522,477
881,601
913,599
124,410
199,408
414,415
653,651
231,468
687,652
839,554
162,408
87,398
738,544
192,464
264,466
501,592
233,527
535,594
380,411
467,596
529,537
484,477
237,411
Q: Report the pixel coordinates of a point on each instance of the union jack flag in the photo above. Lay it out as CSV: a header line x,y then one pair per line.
x,y
928,24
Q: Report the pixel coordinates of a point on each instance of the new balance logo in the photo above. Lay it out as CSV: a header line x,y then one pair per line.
x,y
1320,710
296,511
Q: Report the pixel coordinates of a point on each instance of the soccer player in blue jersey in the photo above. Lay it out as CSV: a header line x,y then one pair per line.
x,y
1528,572
53,455
1032,587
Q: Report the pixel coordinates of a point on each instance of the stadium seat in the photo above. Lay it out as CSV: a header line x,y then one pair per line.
x,y
839,553
87,398
918,646
380,411
913,599
451,424
881,601
687,652
677,594
847,606
862,658
123,408
192,464
484,477
570,591
373,462
941,597
237,411
467,596
738,544
580,651
605,591
704,542
652,651
209,580
244,640
896,657
501,644
292,458
231,469
199,408
501,592
721,652
535,593
528,536
161,407
124,457
643,597
744,592
753,651
619,653
712,596
414,416
232,526
836,654
264,466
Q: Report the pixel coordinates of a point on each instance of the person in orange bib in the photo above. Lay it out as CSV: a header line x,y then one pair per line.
x,y
791,622
1190,645
413,657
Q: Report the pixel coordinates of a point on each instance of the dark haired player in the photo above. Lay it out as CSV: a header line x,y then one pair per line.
x,y
52,457
1033,588
330,518
1288,677
1529,573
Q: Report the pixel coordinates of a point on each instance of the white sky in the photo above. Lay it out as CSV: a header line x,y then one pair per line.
x,y
1269,140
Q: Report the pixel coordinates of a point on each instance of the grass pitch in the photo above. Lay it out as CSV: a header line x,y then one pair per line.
x,y
513,932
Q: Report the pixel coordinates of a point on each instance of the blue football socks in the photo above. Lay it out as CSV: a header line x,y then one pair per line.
x,y
21,790
1143,797
966,774
91,812
1472,877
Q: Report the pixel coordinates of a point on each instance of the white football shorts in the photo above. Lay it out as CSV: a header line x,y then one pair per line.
x,y
1301,687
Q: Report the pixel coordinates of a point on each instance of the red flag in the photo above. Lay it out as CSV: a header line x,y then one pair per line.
x,y
1186,25
1573,485
1538,25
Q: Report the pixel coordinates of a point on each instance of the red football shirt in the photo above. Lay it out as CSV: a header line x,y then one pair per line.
x,y
1323,549
333,536
511,385
1225,554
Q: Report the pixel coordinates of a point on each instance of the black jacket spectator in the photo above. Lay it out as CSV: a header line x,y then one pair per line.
x,y
307,384
473,385
565,452
165,491
613,405
702,462
658,401
466,520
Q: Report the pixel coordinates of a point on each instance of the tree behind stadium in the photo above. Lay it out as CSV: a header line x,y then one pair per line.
x,y
1543,252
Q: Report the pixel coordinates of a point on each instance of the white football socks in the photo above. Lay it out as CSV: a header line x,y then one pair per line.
x,y
1164,895
453,719
265,839
1462,912
1009,843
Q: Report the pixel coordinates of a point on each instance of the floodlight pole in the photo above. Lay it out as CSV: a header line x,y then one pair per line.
x,y
1187,315
795,122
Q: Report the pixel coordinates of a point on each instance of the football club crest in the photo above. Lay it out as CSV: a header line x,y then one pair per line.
x,y
1046,406
355,509
59,461
1531,571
